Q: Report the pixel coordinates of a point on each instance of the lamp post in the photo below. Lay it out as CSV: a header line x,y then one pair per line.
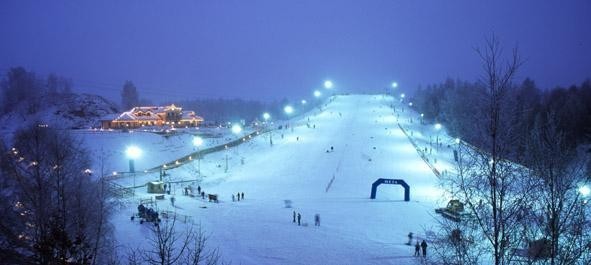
x,y
585,191
288,110
422,115
197,142
236,129
317,93
133,152
438,128
266,117
394,85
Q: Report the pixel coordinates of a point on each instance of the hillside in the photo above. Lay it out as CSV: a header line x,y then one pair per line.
x,y
73,111
324,163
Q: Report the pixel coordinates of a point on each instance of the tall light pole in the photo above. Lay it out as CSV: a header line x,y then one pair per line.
x,y
317,93
394,85
133,152
288,110
236,129
197,142
438,128
266,117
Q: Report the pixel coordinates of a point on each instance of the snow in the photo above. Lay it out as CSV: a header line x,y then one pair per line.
x,y
368,144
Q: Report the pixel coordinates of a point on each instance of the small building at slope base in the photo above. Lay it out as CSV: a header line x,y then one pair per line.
x,y
156,116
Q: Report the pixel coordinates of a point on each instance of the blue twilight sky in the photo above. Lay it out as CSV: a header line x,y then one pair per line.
x,y
275,49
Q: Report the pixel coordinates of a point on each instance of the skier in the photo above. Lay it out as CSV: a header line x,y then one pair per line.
x,y
417,249
299,218
317,220
242,196
294,217
424,247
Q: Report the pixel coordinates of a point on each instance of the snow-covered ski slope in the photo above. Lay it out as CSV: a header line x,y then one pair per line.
x,y
367,144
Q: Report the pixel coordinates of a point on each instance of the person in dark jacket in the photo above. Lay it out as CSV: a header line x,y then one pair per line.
x,y
417,249
317,220
299,218
242,195
294,217
424,247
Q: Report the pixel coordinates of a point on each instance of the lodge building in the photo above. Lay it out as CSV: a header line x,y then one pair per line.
x,y
169,116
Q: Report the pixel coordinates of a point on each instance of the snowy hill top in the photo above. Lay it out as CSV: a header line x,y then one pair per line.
x,y
64,110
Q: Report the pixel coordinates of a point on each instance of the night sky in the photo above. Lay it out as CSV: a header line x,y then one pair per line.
x,y
274,49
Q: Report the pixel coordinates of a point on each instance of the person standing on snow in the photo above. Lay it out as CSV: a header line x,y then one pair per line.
x,y
417,249
294,217
424,247
299,218
317,220
242,196
233,198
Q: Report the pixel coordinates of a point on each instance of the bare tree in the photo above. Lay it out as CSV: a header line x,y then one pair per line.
x,y
493,188
457,243
167,246
53,196
559,214
199,253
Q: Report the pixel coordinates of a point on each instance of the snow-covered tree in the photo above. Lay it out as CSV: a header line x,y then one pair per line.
x,y
559,214
60,208
129,96
493,188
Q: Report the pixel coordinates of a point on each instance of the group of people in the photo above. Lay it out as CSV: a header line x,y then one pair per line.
x,y
418,246
239,196
298,216
422,246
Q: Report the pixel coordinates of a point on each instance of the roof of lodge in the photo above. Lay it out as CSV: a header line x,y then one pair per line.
x,y
150,113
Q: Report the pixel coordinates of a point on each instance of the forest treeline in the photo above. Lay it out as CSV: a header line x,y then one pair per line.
x,y
454,104
219,111
21,86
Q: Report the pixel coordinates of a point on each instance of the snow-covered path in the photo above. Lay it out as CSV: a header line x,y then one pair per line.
x,y
368,145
